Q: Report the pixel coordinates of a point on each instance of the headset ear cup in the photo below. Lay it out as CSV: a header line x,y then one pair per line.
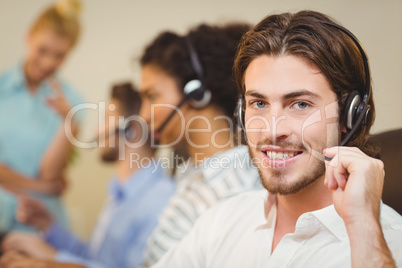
x,y
239,115
351,109
202,103
198,97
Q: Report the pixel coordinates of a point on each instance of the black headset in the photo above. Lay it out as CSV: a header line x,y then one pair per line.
x,y
194,90
356,108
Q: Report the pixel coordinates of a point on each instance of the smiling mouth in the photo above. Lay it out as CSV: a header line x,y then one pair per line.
x,y
275,155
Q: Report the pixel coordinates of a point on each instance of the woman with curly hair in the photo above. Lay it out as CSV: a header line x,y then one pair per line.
x,y
189,97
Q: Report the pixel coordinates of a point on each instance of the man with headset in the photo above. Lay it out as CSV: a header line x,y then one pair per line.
x,y
137,196
305,88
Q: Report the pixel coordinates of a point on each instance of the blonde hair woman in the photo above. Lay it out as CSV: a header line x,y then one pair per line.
x,y
33,104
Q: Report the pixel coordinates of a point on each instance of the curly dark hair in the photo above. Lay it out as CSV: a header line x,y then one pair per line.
x,y
215,47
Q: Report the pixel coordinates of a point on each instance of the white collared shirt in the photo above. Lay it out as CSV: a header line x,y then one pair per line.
x,y
236,233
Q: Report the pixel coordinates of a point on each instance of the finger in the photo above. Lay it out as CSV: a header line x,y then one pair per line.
x,y
16,261
20,213
332,151
340,175
11,245
330,180
51,102
344,156
12,242
12,190
21,216
8,257
31,205
24,211
55,86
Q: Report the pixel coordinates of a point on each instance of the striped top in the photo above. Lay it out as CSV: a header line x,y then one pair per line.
x,y
219,177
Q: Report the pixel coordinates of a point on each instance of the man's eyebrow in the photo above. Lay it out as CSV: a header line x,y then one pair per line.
x,y
287,96
145,91
255,94
300,93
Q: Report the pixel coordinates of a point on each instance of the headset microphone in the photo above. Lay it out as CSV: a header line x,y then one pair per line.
x,y
194,90
356,108
183,100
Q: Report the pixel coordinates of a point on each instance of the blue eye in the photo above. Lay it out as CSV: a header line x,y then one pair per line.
x,y
258,104
301,105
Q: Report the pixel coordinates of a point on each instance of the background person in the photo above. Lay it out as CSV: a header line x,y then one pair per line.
x,y
33,105
137,196
191,75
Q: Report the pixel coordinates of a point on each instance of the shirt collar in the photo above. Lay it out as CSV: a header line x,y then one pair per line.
x,y
326,216
18,80
137,183
332,221
17,77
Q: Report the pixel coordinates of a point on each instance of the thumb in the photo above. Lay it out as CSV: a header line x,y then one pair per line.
x,y
55,85
331,151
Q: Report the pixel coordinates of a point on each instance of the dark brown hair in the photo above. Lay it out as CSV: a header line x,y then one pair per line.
x,y
215,47
128,97
304,35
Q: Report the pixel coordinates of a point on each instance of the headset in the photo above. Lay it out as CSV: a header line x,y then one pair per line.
x,y
194,90
356,107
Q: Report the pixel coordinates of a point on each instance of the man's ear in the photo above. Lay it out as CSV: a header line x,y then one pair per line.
x,y
344,130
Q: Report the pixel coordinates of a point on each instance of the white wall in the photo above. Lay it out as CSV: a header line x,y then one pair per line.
x,y
115,32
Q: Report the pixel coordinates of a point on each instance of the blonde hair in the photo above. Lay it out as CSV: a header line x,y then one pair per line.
x,y
62,18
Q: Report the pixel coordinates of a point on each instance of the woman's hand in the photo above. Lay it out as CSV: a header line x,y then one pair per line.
x,y
33,213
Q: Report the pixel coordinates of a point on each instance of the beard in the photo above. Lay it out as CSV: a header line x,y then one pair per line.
x,y
276,182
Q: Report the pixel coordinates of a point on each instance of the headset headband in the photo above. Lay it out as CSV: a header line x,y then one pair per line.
x,y
195,61
367,84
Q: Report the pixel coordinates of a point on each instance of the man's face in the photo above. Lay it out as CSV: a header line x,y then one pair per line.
x,y
110,153
288,106
160,94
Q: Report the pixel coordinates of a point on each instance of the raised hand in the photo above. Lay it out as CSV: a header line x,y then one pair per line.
x,y
33,213
356,181
58,102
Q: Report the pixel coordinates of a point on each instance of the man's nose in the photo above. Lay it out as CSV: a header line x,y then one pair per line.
x,y
145,111
274,124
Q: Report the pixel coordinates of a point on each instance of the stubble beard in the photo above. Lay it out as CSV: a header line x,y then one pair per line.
x,y
276,183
